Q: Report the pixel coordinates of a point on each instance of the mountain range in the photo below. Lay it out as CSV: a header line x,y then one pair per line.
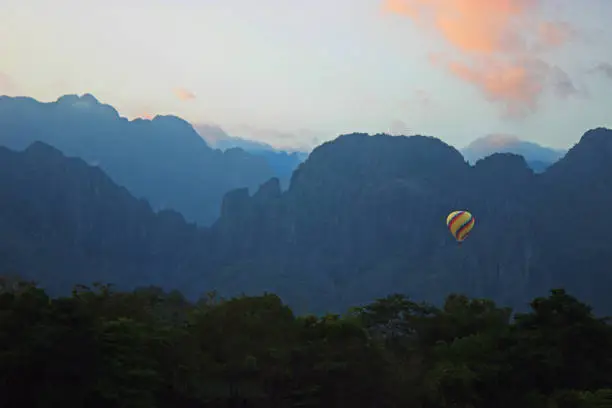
x,y
169,162
163,160
364,216
538,157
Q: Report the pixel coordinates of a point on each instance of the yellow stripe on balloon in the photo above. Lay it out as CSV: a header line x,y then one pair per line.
x,y
450,217
460,223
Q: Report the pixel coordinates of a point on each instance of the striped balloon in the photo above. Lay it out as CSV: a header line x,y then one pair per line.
x,y
460,223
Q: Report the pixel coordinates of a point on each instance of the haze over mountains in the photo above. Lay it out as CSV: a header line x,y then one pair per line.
x,y
537,157
282,162
163,160
363,217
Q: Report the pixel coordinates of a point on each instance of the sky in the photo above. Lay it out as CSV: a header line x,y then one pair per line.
x,y
296,73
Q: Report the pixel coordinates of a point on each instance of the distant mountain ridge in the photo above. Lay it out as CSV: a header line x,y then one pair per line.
x,y
282,162
163,160
538,157
219,139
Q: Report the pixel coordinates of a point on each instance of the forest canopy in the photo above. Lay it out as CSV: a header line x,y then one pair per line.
x,y
148,348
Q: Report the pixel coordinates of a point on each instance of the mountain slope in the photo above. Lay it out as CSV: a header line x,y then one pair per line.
x,y
364,216
579,228
163,160
63,222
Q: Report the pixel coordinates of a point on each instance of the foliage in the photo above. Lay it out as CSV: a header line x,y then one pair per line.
x,y
148,348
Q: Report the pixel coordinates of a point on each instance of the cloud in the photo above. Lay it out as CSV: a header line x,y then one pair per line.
x,y
605,68
144,113
497,140
497,46
184,94
423,98
302,139
562,84
418,100
555,34
516,84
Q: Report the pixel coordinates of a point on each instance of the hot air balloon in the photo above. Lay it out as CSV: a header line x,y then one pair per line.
x,y
460,223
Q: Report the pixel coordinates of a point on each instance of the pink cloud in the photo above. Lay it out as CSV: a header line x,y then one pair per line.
x,y
555,34
184,94
498,47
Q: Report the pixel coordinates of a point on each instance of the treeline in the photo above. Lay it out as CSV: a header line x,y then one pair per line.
x,y
147,348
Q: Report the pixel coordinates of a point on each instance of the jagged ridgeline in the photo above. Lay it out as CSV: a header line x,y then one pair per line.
x,y
163,160
63,221
364,217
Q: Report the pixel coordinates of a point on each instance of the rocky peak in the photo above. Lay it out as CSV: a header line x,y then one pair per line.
x,y
510,163
270,190
589,157
361,158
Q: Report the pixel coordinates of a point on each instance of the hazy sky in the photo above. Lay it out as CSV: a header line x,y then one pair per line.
x,y
289,71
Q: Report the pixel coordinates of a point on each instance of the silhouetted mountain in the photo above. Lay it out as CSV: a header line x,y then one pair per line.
x,y
573,219
283,163
537,157
364,216
163,160
62,222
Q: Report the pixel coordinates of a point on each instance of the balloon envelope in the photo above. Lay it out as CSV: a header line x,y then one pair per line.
x,y
460,223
